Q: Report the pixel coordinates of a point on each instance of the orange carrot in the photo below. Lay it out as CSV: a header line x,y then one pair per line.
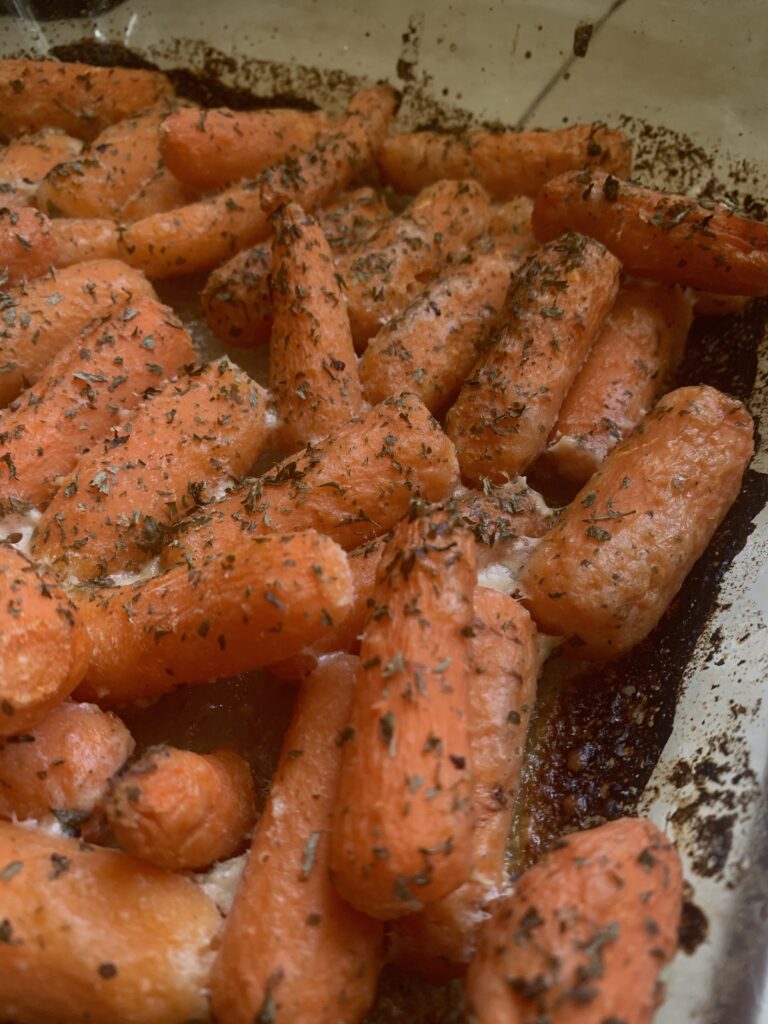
x,y
585,934
183,810
112,938
511,222
503,512
157,194
353,217
402,834
619,553
552,316
27,246
292,950
78,240
667,237
507,163
26,161
712,304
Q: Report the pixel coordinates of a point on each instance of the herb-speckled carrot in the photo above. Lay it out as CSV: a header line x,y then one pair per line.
x,y
503,512
25,161
81,239
27,245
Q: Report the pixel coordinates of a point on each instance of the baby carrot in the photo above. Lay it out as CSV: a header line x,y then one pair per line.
x,y
586,932
62,765
263,601
511,222
604,575
507,163
27,246
76,98
312,364
46,314
402,834
503,512
116,507
552,316
353,217
156,194
24,162
44,648
667,237
712,304
638,349
79,240
113,939
181,810
83,395
292,950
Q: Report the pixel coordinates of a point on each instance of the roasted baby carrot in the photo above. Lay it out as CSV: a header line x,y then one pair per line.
x,y
511,222
312,364
27,246
42,317
507,163
113,938
604,575
76,98
62,765
712,304
44,648
84,394
402,833
439,942
585,934
257,603
553,314
182,810
292,950
667,237
79,240
157,194
353,217
639,347
503,512
114,510
24,162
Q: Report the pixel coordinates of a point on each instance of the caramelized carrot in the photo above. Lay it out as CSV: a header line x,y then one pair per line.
x,y
79,240
402,835
606,572
552,316
638,349
113,939
62,766
507,163
180,810
503,512
292,950
312,365
667,237
262,601
27,246
117,505
26,161
585,934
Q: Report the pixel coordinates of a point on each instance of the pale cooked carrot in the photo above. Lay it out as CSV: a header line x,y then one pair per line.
x,y
81,239
182,810
553,313
259,602
39,319
402,833
712,304
113,938
639,347
292,950
76,98
507,163
44,648
608,569
84,394
511,222
25,161
27,245
312,364
661,235
62,765
114,510
585,934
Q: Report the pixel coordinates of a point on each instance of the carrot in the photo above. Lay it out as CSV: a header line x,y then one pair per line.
x,y
204,234
157,194
262,601
27,246
47,313
214,148
63,765
585,934
76,98
111,938
44,649
312,366
352,486
183,810
353,217
115,508
638,349
84,394
384,274
619,553
552,316
507,163
511,222
79,240
402,834
712,304
503,512
667,237
26,161
439,942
